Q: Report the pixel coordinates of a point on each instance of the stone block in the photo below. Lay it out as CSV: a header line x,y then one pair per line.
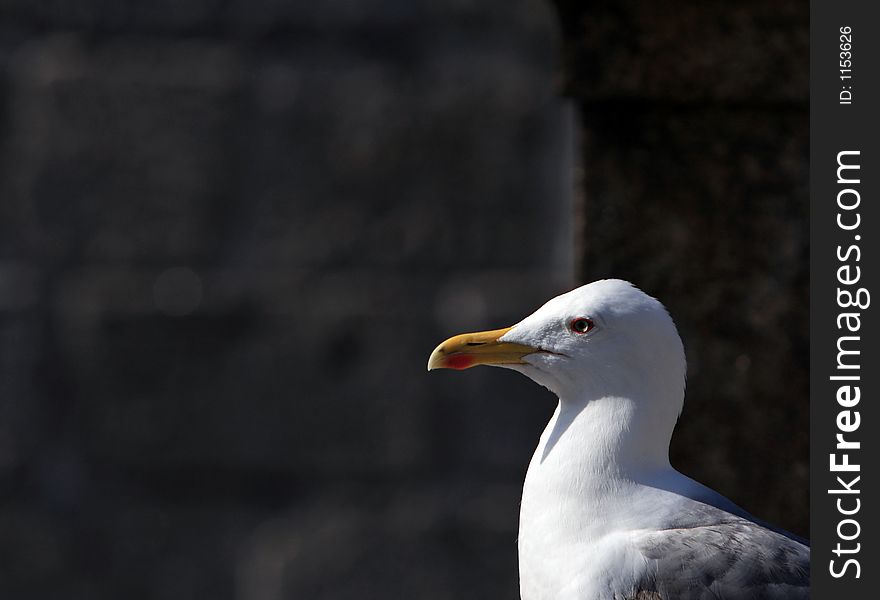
x,y
120,148
109,17
691,53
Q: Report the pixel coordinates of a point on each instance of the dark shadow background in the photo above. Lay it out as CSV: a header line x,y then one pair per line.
x,y
231,232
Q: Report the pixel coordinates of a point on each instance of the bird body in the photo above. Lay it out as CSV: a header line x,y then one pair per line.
x,y
621,532
604,515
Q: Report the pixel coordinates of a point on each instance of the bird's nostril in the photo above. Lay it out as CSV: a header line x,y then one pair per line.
x,y
476,343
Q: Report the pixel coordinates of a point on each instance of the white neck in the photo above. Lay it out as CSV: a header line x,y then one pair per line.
x,y
581,481
612,426
601,444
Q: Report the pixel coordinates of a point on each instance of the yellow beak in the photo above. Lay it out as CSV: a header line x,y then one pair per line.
x,y
483,348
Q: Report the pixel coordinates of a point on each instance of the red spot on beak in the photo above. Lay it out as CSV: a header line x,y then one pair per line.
x,y
459,361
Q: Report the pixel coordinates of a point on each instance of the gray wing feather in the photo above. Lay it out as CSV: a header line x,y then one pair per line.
x,y
711,554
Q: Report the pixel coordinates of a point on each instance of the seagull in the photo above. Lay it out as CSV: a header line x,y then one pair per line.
x,y
604,515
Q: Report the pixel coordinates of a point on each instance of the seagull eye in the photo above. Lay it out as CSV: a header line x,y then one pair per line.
x,y
581,325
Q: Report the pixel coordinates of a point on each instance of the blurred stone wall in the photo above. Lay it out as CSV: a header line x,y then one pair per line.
x,y
230,235
695,157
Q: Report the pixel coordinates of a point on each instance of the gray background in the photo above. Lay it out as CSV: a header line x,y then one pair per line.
x,y
231,233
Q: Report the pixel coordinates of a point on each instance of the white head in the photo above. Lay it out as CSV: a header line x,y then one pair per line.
x,y
606,341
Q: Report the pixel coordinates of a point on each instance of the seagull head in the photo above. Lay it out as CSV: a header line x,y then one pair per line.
x,y
603,339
